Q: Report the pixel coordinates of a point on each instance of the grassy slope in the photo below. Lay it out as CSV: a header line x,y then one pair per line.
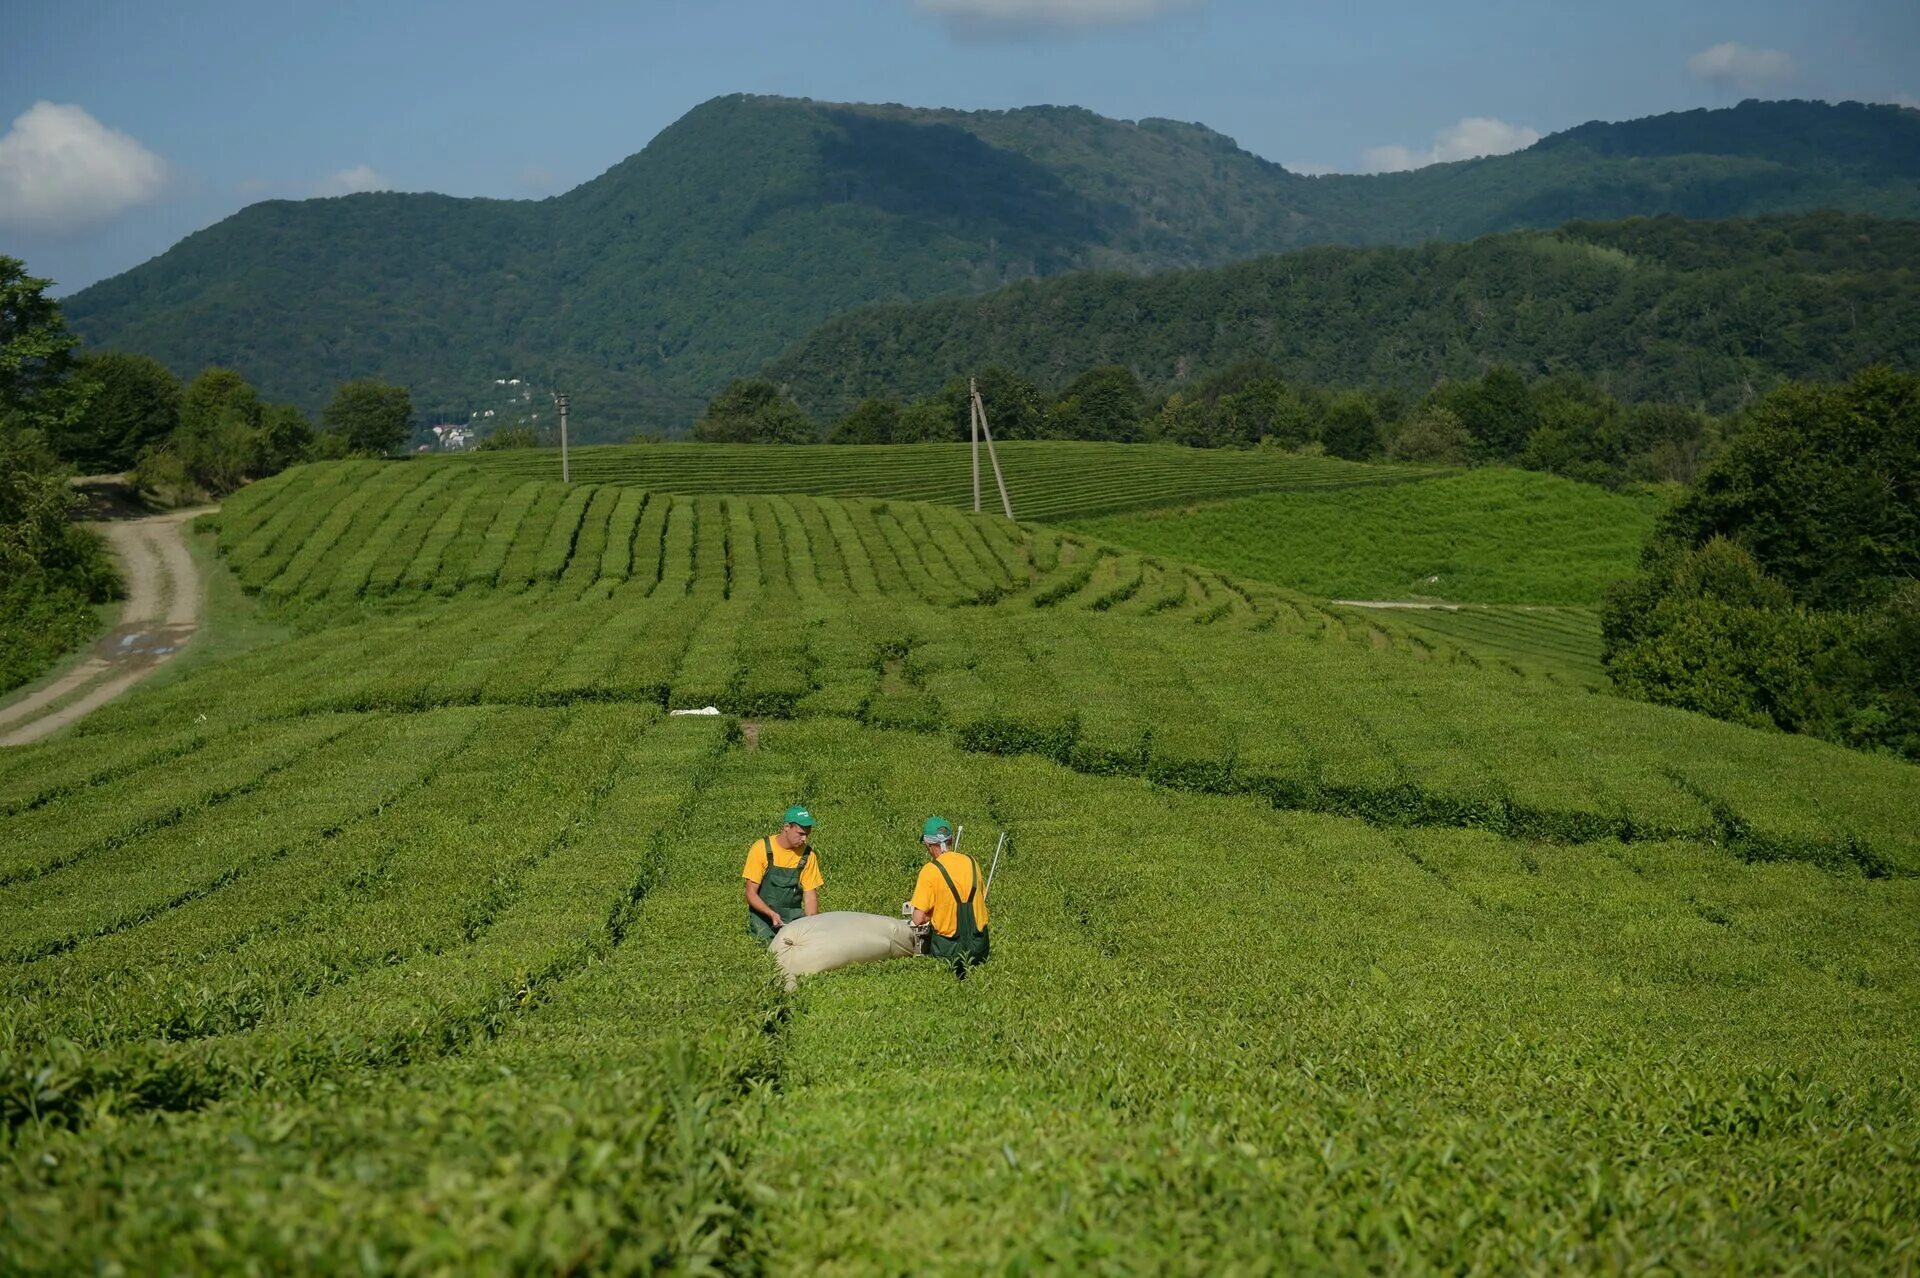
x,y
1492,536
1406,964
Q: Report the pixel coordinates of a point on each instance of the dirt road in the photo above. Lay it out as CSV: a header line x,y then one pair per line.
x,y
160,616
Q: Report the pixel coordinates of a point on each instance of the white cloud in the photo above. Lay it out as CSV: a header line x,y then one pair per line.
x,y
361,177
1472,137
1732,65
974,18
63,170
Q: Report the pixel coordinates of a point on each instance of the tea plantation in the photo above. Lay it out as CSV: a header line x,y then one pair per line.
x,y
1488,536
1056,479
412,942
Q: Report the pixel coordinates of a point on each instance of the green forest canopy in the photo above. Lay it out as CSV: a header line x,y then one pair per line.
x,y
1699,312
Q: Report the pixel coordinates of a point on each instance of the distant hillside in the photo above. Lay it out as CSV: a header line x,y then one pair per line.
x,y
751,220
1653,308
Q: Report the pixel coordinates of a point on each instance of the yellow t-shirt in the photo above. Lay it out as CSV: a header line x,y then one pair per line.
x,y
756,869
930,893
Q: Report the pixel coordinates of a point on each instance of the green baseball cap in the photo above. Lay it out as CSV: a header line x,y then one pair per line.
x,y
798,815
936,829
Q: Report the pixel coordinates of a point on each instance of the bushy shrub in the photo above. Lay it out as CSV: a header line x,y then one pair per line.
x,y
508,437
163,476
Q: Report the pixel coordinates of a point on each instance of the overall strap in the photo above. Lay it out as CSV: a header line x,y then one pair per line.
x,y
956,891
806,850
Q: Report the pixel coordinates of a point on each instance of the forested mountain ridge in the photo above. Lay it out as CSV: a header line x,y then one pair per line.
x,y
751,220
1701,312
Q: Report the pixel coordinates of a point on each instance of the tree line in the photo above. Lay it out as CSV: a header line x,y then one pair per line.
x,y
1565,424
215,432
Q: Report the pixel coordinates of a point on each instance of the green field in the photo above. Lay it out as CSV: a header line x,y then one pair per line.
x,y
1051,480
1489,536
411,942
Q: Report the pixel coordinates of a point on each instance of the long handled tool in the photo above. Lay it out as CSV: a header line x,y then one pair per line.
x,y
997,848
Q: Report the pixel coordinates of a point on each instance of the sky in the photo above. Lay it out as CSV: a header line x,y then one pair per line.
x,y
128,124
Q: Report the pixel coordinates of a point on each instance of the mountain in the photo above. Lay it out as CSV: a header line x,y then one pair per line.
x,y
751,220
1665,308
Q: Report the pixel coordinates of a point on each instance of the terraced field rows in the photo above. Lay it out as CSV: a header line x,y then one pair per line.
x,y
446,529
1046,480
1560,643
1013,640
1494,535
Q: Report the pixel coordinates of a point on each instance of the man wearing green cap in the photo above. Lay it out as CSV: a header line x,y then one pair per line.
x,y
949,897
783,876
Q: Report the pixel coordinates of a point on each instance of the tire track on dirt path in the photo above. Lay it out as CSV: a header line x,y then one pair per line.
x,y
160,617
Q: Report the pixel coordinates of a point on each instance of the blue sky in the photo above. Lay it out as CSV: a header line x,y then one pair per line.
x,y
128,125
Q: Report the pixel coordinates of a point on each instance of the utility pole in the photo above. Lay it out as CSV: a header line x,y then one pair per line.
x,y
980,415
973,422
566,474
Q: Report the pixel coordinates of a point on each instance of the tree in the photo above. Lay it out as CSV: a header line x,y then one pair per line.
x,y
284,438
216,439
1012,402
136,407
1431,434
1822,486
753,411
1497,411
218,396
871,422
928,420
371,417
36,355
1352,426
1101,403
1183,421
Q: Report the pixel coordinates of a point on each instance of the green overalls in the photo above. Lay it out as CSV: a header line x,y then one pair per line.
x,y
781,891
968,944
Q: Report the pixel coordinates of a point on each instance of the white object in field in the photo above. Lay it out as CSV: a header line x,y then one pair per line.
x,y
838,938
701,710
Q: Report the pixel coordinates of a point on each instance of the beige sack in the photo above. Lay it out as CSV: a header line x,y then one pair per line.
x,y
839,938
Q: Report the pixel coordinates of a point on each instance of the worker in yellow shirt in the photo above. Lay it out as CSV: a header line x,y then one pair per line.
x,y
949,898
783,876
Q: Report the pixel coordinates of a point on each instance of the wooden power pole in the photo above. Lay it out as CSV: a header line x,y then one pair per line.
x,y
566,474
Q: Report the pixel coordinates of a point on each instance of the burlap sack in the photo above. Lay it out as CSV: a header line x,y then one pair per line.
x,y
838,938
